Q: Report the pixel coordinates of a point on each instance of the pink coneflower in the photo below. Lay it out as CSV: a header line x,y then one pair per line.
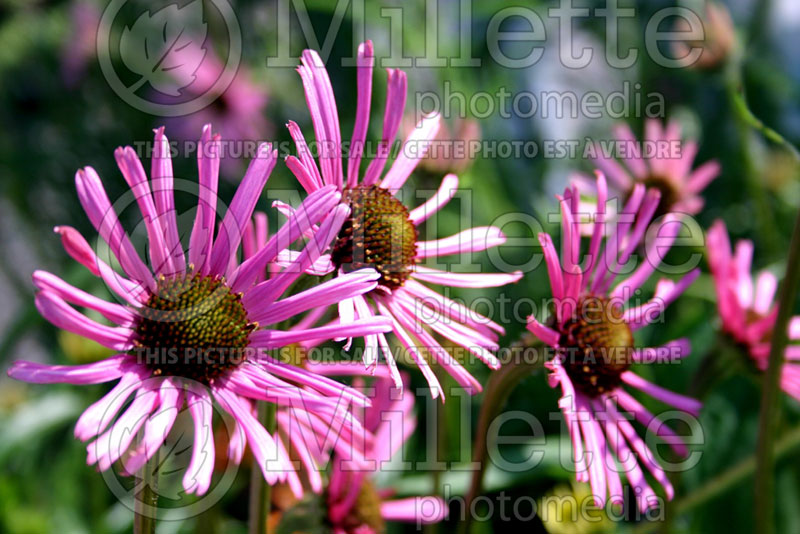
x,y
355,504
80,45
592,334
666,167
748,311
207,304
238,111
383,233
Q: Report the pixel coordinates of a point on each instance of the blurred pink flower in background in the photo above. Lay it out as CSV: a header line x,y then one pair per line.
x,y
592,334
449,152
239,111
668,167
355,504
749,311
79,46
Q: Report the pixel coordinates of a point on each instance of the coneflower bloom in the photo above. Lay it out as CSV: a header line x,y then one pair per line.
x,y
591,332
237,111
662,161
383,233
748,310
190,330
355,504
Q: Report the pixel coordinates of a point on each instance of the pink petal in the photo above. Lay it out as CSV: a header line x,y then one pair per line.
x,y
197,477
115,313
396,89
447,189
314,207
472,240
134,175
208,150
322,106
476,280
95,202
365,61
413,150
162,178
77,247
241,208
421,510
57,311
90,373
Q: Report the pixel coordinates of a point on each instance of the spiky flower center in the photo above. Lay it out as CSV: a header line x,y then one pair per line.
x,y
366,511
597,345
194,327
377,234
670,195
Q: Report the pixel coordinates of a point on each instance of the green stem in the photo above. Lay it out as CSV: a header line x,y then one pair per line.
x,y
260,491
771,392
146,500
745,122
726,480
500,385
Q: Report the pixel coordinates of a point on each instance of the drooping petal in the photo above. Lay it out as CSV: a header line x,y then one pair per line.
x,y
447,190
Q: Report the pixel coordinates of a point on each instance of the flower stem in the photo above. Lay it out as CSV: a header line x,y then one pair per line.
x,y
146,500
771,391
726,480
526,357
260,491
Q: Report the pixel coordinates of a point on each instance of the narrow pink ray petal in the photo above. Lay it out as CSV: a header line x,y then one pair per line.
x,y
90,373
646,418
57,311
163,193
681,402
96,418
447,190
77,247
396,92
310,169
364,64
410,345
263,447
477,280
322,295
421,510
197,477
545,333
322,105
98,208
241,209
702,176
313,208
269,339
208,151
472,240
412,151
269,291
133,172
634,157
115,313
